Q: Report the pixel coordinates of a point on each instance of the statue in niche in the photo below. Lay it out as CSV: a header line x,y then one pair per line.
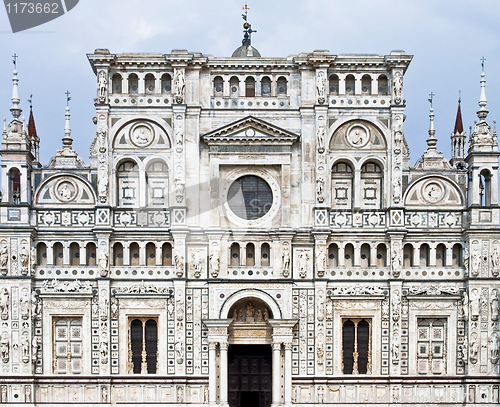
x,y
4,394
395,303
385,308
36,305
180,394
250,311
303,263
474,304
396,186
214,261
321,87
396,261
4,303
495,262
465,305
101,137
5,347
179,264
24,256
494,347
395,350
473,349
25,348
104,394
103,262
466,261
494,305
197,262
24,305
4,257
102,84
285,261
476,262
103,348
320,187
27,393
320,136
33,259
398,88
35,345
114,307
321,261
179,85
465,351
103,185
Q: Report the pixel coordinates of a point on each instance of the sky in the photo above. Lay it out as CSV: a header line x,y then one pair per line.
x,y
448,38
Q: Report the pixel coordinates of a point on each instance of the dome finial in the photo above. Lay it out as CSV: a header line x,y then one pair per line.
x,y
431,141
15,109
67,140
247,37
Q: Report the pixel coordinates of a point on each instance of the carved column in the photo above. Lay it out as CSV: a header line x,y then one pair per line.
x,y
288,373
276,372
212,368
223,373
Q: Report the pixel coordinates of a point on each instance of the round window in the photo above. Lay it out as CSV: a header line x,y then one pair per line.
x,y
250,197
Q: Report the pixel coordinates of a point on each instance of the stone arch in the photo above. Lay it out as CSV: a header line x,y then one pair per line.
x,y
259,296
357,135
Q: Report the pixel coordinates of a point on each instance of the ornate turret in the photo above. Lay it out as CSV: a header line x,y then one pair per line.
x,y
246,50
32,133
432,158
458,140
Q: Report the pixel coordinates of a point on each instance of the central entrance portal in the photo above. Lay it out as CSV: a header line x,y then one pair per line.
x,y
250,375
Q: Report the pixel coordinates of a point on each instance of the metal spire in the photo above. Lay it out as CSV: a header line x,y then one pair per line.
x,y
247,37
482,112
15,109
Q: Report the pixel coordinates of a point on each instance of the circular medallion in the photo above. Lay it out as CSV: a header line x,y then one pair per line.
x,y
357,136
65,191
433,192
141,135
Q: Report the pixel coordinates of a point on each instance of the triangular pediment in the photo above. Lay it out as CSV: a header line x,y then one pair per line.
x,y
248,131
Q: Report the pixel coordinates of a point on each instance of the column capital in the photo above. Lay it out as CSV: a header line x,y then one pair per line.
x,y
223,346
276,345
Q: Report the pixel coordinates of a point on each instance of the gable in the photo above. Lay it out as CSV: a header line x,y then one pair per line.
x,y
433,191
65,189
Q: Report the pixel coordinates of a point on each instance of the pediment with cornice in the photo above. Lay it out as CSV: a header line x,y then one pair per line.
x,y
250,131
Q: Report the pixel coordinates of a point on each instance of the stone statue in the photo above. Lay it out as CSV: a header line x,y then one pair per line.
x,y
494,305
24,256
24,306
396,262
320,187
179,351
474,304
473,349
476,262
25,349
103,348
495,262
4,257
494,347
285,261
103,262
321,87
179,85
104,394
465,305
466,261
33,260
398,89
102,85
303,263
4,303
103,186
214,262
320,136
114,307
27,393
179,264
250,312
321,261
5,347
197,263
396,187
35,345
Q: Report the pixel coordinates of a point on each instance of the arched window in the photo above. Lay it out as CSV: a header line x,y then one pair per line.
x,y
356,346
250,249
235,255
166,83
149,83
333,84
150,254
157,184
14,186
116,83
166,254
282,86
381,255
218,86
365,255
74,254
133,84
371,185
134,254
118,254
333,255
234,85
265,86
342,183
383,85
366,85
128,183
249,87
408,255
441,255
350,83
41,254
349,255
91,254
424,255
58,254
265,255
485,188
143,349
456,257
